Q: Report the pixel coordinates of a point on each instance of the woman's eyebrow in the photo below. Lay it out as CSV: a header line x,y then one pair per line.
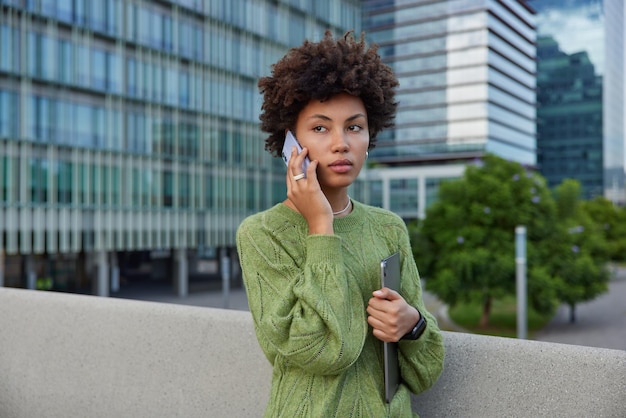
x,y
357,116
324,117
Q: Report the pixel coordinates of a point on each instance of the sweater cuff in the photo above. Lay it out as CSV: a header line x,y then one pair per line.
x,y
325,248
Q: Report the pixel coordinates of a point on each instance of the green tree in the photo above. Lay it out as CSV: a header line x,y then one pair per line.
x,y
579,260
612,222
465,246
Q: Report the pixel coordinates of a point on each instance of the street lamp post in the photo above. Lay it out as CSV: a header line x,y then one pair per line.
x,y
520,279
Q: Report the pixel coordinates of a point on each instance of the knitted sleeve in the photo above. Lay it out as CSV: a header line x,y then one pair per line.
x,y
304,309
421,361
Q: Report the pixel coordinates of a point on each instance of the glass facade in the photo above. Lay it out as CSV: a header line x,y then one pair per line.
x,y
406,190
132,125
581,124
467,78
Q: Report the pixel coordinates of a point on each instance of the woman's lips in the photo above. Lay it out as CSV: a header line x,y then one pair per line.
x,y
341,166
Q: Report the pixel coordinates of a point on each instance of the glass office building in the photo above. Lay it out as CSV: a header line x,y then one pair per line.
x,y
581,94
467,78
467,75
129,139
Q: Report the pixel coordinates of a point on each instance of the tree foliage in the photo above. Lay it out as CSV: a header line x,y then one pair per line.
x,y
579,261
465,247
611,220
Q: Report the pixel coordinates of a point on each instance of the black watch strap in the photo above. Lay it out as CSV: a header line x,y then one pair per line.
x,y
417,330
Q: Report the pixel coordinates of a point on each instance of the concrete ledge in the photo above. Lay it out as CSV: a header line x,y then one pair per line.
x,y
65,355
71,355
505,377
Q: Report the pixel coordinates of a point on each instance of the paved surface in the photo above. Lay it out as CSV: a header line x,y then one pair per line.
x,y
600,323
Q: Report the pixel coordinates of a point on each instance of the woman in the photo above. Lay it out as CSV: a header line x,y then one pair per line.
x,y
311,265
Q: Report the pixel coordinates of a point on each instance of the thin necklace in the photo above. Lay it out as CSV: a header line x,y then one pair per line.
x,y
344,209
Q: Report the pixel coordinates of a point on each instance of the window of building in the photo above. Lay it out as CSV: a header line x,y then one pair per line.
x,y
65,66
96,184
157,83
97,15
135,188
168,42
183,92
155,188
83,125
81,76
113,75
64,177
168,189
113,12
208,190
8,114
80,12
376,193
9,48
38,180
9,176
82,191
116,181
147,179
131,77
171,85
184,190
38,122
114,129
403,195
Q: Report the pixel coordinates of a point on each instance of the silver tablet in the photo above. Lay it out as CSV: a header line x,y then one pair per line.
x,y
390,277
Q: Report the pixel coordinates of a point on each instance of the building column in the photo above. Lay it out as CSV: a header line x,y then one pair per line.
x,y
182,273
421,197
225,270
102,274
386,193
2,268
31,277
115,273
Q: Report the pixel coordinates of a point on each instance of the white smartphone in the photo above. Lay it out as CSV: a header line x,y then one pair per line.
x,y
290,142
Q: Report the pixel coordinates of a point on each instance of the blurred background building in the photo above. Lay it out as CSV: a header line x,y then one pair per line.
x,y
467,75
129,139
580,116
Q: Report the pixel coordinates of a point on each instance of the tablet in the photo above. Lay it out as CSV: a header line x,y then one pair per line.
x,y
390,277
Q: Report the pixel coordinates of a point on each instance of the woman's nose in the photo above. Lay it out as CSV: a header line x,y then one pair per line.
x,y
340,142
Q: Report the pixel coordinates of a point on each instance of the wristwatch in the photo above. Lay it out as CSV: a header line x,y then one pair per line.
x,y
417,330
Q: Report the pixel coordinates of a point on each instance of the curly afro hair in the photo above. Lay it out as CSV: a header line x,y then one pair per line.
x,y
318,71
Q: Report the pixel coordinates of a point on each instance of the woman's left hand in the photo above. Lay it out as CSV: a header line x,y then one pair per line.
x,y
390,316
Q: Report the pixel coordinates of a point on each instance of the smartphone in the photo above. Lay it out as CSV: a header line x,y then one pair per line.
x,y
290,142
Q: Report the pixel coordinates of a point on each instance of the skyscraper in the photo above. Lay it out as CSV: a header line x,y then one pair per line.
x,y
129,139
581,90
467,77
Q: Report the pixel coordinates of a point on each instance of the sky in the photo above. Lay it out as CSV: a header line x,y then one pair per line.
x,y
576,27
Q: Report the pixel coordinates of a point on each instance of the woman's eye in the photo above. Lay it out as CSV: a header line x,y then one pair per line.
x,y
354,128
319,129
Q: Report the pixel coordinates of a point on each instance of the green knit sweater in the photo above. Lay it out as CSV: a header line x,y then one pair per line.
x,y
308,296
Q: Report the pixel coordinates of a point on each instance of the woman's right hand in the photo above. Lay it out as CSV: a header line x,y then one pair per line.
x,y
307,196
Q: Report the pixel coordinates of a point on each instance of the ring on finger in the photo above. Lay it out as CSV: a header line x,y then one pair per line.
x,y
298,176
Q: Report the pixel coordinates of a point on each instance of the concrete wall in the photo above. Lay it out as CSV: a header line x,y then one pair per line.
x,y
67,355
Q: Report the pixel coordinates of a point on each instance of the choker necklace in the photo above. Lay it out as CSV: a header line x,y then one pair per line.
x,y
344,209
